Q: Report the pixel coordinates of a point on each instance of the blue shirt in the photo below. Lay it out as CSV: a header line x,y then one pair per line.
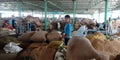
x,y
67,29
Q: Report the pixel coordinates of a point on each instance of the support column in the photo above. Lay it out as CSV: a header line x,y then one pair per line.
x,y
19,8
91,15
45,9
53,14
42,15
32,12
106,10
99,15
74,13
112,14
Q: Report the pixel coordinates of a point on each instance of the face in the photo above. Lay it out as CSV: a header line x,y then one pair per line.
x,y
67,20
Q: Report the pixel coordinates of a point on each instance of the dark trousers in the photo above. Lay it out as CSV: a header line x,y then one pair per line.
x,y
66,41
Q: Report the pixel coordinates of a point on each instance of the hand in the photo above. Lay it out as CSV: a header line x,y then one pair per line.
x,y
64,36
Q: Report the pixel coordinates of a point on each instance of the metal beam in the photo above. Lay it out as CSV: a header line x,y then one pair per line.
x,y
34,5
99,14
45,9
16,0
74,12
41,7
106,10
32,13
55,5
19,8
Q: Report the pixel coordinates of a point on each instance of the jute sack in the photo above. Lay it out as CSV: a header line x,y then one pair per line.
x,y
26,37
33,51
80,48
96,36
4,34
36,45
25,45
39,36
53,36
41,53
109,47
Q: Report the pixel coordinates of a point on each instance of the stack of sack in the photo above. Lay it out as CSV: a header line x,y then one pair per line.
x,y
104,45
5,39
89,23
54,35
96,36
111,48
95,46
39,45
77,25
35,20
80,48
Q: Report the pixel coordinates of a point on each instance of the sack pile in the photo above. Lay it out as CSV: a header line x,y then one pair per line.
x,y
80,48
5,40
111,48
53,36
96,36
35,20
38,48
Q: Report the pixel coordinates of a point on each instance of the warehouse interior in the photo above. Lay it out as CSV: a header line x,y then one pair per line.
x,y
59,29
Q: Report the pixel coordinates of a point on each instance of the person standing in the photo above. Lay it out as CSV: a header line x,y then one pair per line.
x,y
110,26
67,29
7,25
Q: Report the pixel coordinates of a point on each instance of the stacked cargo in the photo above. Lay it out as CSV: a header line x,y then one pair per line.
x,y
99,48
41,43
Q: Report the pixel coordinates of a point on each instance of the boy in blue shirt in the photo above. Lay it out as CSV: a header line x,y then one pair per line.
x,y
67,29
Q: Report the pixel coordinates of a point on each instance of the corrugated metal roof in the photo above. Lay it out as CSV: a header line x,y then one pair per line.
x,y
83,6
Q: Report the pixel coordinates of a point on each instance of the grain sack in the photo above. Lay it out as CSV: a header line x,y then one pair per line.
x,y
37,52
85,21
37,21
36,45
7,56
33,51
25,45
6,40
41,53
4,34
54,44
96,36
53,36
46,56
39,36
111,48
23,54
29,18
80,48
26,37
